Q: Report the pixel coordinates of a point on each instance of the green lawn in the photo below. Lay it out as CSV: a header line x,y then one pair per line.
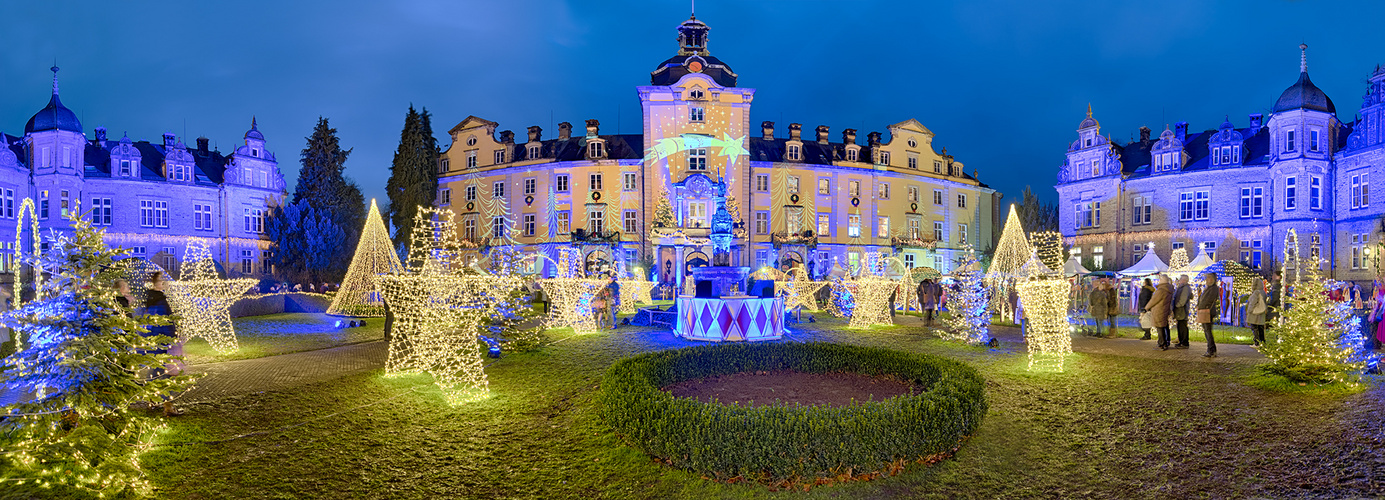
x,y
284,333
1109,427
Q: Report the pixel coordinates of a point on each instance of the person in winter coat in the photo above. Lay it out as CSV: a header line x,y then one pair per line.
x,y
1096,304
1256,309
1112,307
1273,299
1158,307
1146,293
928,300
1182,298
1208,308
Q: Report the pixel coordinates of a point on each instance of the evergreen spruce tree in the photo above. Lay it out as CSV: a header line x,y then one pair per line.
x,y
324,189
413,178
1319,339
970,313
81,352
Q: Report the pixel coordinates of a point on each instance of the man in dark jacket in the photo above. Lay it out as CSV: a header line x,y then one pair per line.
x,y
1182,296
1208,308
1276,289
1112,307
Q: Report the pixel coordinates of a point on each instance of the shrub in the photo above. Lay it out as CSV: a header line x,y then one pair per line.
x,y
791,443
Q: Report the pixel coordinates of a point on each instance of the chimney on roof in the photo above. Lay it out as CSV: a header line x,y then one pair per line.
x,y
1257,120
849,136
593,127
873,139
169,139
507,137
795,131
1144,134
535,133
822,134
1180,130
564,131
101,134
767,130
202,143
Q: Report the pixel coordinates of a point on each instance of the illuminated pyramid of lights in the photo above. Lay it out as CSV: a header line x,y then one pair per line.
x,y
360,294
439,303
202,299
1010,255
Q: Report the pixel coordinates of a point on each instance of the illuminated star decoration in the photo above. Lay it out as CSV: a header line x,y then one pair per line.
x,y
360,294
635,290
202,300
796,290
571,294
439,308
1044,297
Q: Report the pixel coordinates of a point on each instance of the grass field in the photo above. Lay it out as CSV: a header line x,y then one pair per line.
x,y
284,333
1108,427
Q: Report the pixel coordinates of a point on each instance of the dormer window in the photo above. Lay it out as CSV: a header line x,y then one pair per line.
x,y
852,154
533,151
499,156
125,168
884,157
696,94
596,150
793,152
255,152
696,114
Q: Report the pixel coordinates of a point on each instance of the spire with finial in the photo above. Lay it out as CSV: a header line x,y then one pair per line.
x,y
1089,110
1303,58
55,78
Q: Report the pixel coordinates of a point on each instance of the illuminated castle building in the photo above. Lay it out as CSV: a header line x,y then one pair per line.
x,y
648,197
149,197
1233,192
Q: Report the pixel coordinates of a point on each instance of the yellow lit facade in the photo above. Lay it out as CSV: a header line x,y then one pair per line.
x,y
799,199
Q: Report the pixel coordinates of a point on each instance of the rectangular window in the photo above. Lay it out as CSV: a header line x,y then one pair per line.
x,y
43,204
761,222
101,211
564,222
792,152
470,194
1096,214
146,213
909,260
1245,203
914,227
697,214
1226,155
853,261
793,219
594,181
937,197
762,182
8,207
1355,191
628,181
938,231
529,223
1216,158
824,185
1201,203
445,196
1257,202
913,162
1210,248
254,218
1141,210
247,261
1096,168
596,149
913,194
937,166
825,224
1290,193
202,217
961,234
161,216
884,157
264,262
884,191
697,159
531,186
1313,140
961,200
125,168
469,228
853,188
500,156
596,221
852,154
470,159
1315,193
1177,245
883,230
1289,140
533,152
696,113
793,184
497,227
1235,154
498,189
64,205
560,183
1365,192
631,223
443,164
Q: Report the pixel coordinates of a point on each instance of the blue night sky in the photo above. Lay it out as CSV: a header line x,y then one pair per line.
x,y
1002,84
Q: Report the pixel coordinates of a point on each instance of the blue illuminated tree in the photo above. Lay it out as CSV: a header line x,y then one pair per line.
x,y
80,354
969,308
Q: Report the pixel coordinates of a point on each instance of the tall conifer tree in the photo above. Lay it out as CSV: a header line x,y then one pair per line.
x,y
413,175
330,211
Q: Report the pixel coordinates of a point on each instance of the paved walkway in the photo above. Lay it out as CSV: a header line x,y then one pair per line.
x,y
1226,353
285,371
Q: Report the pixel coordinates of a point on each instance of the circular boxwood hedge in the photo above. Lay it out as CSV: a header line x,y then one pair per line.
x,y
791,443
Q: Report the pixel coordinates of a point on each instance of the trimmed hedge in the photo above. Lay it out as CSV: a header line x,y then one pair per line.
x,y
791,443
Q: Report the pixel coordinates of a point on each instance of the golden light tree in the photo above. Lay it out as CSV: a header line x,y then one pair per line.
x,y
202,299
360,293
1178,260
1044,298
1010,255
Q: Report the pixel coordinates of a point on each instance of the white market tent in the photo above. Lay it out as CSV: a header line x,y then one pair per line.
x,y
1034,266
1073,267
1149,264
1198,264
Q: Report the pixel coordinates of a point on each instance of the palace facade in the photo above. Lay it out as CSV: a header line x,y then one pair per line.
x,y
148,197
648,197
1234,192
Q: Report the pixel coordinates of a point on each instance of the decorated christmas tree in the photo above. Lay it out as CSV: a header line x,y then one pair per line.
x,y
1319,340
360,294
663,216
80,354
1178,259
970,309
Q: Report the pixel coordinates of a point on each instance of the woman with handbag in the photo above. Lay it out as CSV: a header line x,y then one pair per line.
x,y
1208,308
1378,315
1146,320
1256,309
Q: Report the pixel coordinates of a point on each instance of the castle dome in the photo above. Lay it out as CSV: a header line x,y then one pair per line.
x,y
54,116
1303,94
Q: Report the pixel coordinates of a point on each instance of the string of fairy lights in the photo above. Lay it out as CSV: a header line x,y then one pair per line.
x,y
571,294
359,294
1044,297
1011,253
202,299
970,306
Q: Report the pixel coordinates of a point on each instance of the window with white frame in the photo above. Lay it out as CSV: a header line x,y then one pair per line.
x,y
443,164
1360,191
265,267
937,166
596,149
696,114
1289,140
254,219
938,232
445,196
43,204
792,186
596,221
697,214
8,207
470,194
824,185
564,222
852,154
202,217
100,211
883,228
531,186
247,261
498,189
884,157
1290,193
1201,204
825,224
627,181
961,234
961,200
630,222
1315,193
697,159
762,182
793,219
1313,140
65,202
914,162
1141,209
469,228
470,159
792,153
560,183
1087,214
1096,168
884,191
1252,202
530,221
1209,248
1176,245
499,156
914,194
761,222
937,197
909,260
853,188
497,227
1098,260
533,151
762,258
594,181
